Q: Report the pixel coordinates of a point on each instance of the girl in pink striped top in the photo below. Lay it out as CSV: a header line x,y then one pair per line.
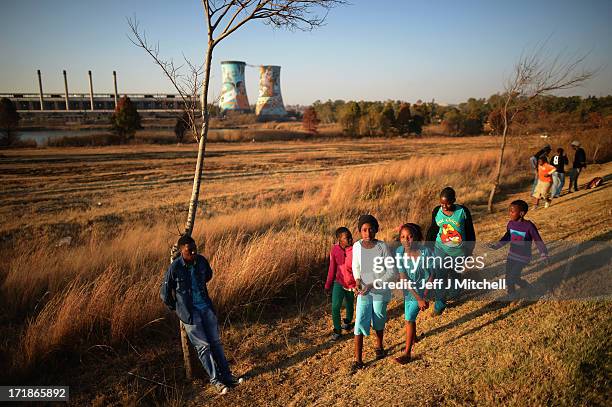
x,y
340,281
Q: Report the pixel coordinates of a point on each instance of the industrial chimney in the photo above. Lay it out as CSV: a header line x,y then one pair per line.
x,y
233,91
270,101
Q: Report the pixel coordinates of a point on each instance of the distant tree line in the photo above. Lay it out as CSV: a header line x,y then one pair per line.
x,y
9,122
366,118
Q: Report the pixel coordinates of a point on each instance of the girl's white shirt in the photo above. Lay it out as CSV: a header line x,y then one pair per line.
x,y
367,274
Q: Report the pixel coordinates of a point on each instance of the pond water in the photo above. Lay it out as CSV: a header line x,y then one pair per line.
x,y
41,136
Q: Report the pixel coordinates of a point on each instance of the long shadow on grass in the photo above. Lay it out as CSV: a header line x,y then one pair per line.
x,y
498,318
582,188
578,263
546,282
285,363
552,280
395,311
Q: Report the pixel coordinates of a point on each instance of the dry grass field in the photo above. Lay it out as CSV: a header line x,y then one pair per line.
x,y
85,237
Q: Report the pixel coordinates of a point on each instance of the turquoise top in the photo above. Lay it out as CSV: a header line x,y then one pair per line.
x,y
452,232
416,269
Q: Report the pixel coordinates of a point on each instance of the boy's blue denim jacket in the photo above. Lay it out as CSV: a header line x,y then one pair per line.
x,y
176,288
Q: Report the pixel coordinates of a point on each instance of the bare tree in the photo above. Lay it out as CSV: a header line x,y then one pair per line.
x,y
535,75
223,18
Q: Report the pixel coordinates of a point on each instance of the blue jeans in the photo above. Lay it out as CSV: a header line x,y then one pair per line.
x,y
204,336
533,162
574,178
558,182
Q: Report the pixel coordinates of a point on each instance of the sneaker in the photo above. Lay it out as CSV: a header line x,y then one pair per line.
x,y
234,381
335,337
347,326
380,353
221,388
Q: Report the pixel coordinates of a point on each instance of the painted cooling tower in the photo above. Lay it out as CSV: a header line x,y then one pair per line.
x,y
270,101
233,91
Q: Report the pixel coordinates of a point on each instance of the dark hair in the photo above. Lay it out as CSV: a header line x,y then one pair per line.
x,y
341,231
371,220
415,231
522,205
448,193
560,150
543,158
185,239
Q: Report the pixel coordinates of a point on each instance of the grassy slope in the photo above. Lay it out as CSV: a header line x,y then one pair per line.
x,y
478,352
288,345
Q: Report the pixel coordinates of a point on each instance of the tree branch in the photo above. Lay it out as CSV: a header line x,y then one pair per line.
x,y
187,86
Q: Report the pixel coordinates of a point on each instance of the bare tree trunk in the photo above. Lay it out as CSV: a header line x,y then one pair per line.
x,y
186,352
195,192
232,15
500,160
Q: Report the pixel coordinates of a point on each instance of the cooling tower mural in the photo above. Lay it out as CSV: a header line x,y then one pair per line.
x,y
270,101
233,91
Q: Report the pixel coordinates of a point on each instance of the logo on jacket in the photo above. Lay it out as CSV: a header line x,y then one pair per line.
x,y
450,236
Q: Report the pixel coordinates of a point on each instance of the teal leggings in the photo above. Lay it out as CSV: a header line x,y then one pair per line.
x,y
339,294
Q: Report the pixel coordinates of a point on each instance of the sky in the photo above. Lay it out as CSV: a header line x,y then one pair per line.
x,y
369,50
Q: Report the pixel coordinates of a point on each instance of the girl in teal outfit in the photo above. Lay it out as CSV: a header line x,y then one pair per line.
x,y
451,234
413,267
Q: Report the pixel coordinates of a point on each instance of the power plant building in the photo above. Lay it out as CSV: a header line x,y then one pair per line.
x,y
233,91
270,101
233,95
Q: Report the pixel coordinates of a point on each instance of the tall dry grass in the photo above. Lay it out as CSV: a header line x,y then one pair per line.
x,y
50,269
407,190
107,291
597,143
259,270
372,183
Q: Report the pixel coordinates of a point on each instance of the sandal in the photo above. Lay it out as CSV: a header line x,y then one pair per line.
x,y
380,353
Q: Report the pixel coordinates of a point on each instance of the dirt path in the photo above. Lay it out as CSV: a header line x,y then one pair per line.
x,y
477,352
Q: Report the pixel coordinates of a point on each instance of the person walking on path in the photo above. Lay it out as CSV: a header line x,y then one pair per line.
x,y
340,282
559,160
451,235
578,165
371,309
545,175
520,234
533,161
